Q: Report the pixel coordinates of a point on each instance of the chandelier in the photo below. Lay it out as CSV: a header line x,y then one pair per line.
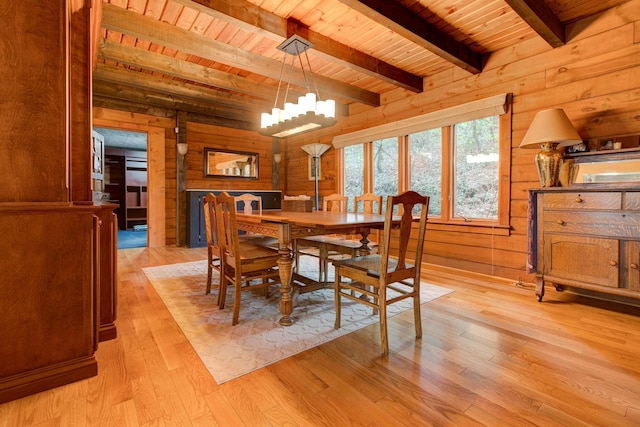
x,y
310,112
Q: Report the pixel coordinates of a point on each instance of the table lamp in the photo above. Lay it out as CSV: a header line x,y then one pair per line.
x,y
549,130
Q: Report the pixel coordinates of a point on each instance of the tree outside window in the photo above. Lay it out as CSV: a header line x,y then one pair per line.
x,y
475,186
425,156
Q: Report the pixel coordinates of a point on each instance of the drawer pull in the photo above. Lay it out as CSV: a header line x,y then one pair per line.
x,y
578,200
560,222
634,266
613,263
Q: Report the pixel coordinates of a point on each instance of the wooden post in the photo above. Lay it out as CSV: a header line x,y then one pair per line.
x,y
181,180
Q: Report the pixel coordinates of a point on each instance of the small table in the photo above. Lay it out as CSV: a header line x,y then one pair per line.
x,y
286,226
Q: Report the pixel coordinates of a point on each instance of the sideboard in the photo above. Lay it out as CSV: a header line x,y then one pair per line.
x,y
586,237
196,236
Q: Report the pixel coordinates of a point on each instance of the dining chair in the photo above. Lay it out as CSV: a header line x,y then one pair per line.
x,y
213,246
247,200
244,265
378,280
315,245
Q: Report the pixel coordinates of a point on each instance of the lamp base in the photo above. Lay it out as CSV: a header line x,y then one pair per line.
x,y
549,161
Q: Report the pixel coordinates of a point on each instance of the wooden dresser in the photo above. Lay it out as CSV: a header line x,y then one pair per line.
x,y
586,237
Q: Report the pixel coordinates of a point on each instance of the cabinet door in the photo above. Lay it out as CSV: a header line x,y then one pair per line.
x,y
583,259
633,265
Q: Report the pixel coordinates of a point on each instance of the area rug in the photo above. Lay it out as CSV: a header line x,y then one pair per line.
x,y
258,340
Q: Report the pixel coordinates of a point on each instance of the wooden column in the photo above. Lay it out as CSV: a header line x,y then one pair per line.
x,y
181,180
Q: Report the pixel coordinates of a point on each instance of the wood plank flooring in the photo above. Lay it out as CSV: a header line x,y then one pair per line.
x,y
490,355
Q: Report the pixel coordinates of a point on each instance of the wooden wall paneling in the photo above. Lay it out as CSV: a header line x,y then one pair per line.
x,y
80,102
203,136
33,118
47,298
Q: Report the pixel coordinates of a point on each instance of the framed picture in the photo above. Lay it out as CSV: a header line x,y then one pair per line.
x,y
312,170
579,148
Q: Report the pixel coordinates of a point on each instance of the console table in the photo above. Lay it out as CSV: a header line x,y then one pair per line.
x,y
586,237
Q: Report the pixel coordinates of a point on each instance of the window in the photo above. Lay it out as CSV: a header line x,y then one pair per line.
x,y
353,166
475,177
461,165
385,166
425,169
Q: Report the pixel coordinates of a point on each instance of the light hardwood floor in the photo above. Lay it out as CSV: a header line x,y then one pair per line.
x,y
490,355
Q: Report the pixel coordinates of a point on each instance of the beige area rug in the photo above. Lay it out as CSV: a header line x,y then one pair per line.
x,y
258,340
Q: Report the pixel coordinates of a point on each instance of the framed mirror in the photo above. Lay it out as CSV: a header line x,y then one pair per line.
x,y
230,164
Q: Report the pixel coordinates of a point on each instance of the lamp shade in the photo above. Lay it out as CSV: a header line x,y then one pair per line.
x,y
315,150
551,125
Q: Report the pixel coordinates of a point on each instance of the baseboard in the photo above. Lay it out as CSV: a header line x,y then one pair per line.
x,y
35,381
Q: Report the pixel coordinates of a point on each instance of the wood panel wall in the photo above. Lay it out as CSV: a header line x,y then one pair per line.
x,y
595,78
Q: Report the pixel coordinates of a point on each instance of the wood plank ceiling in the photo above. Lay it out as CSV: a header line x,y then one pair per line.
x,y
218,60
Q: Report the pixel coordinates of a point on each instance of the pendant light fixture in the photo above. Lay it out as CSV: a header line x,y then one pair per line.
x,y
310,112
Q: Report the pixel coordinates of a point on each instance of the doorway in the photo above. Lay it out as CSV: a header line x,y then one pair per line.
x,y
126,183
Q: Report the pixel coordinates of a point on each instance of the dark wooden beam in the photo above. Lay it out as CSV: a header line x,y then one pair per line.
x,y
134,24
541,18
189,93
252,18
185,70
137,96
404,22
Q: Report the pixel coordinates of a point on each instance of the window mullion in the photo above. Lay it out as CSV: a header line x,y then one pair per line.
x,y
447,172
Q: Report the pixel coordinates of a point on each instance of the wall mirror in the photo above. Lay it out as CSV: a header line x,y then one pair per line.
x,y
230,164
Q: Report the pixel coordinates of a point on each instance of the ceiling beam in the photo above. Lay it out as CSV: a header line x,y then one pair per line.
x,y
541,18
170,87
171,66
134,24
168,112
252,18
407,24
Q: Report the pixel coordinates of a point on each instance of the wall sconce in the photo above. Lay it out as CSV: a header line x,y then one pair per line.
x,y
182,148
277,158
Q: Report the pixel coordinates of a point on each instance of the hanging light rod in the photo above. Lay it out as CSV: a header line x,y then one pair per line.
x,y
310,112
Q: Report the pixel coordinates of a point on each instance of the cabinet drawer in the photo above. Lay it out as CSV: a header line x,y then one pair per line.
x,y
621,225
632,201
583,259
609,201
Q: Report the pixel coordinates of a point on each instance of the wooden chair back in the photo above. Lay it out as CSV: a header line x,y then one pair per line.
x,y
408,248
369,202
334,203
213,245
248,200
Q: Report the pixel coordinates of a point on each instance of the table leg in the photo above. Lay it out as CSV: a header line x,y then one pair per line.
x,y
285,264
365,249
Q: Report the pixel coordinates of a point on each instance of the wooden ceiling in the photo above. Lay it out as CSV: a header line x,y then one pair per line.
x,y
218,59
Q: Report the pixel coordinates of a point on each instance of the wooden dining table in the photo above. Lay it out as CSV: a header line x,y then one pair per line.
x,y
287,226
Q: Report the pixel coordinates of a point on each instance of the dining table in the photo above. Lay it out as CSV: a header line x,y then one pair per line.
x,y
287,226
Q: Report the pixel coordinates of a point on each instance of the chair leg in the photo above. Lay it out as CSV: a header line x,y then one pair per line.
x,y
417,318
209,273
236,298
222,290
337,297
384,335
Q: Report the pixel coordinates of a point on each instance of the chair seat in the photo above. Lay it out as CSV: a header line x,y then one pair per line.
x,y
369,264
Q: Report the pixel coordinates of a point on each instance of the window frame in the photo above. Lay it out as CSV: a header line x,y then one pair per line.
x,y
446,222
